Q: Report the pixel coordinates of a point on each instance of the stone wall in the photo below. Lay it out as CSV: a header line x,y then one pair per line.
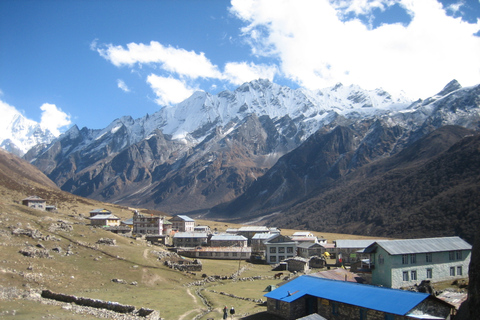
x,y
195,265
100,304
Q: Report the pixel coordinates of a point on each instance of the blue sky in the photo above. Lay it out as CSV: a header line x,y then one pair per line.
x,y
90,62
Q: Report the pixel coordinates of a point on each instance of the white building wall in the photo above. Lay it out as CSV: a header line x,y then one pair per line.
x,y
391,272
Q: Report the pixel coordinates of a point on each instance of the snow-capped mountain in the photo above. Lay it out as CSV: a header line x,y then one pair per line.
x,y
21,134
210,148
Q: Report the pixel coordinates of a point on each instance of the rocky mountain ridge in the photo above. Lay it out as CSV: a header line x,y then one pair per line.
x,y
209,150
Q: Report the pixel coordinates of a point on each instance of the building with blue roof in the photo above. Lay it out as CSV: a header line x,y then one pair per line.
x,y
334,299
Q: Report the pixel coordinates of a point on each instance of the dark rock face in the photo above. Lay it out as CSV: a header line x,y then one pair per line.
x,y
233,164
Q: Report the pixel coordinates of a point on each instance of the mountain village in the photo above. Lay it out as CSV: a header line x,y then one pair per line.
x,y
346,279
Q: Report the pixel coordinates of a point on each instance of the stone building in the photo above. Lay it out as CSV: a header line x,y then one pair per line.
x,y
279,248
147,224
309,249
35,202
339,300
190,239
227,240
182,223
219,253
402,263
109,220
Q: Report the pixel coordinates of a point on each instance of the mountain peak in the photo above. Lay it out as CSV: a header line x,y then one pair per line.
x,y
450,87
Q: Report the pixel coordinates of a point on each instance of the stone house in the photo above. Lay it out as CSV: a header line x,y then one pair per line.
x,y
147,224
258,242
339,300
202,229
109,220
402,263
190,239
219,253
250,231
227,240
99,211
351,251
279,248
35,202
309,249
182,223
297,264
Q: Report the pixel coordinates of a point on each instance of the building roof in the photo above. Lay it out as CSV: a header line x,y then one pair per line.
x,y
128,221
313,316
101,211
395,247
308,245
190,235
359,244
253,229
228,237
302,234
220,249
263,236
33,198
182,217
382,299
104,217
278,238
339,274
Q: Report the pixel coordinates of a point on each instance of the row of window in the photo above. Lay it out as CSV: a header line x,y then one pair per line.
x,y
281,249
280,258
412,258
220,254
412,275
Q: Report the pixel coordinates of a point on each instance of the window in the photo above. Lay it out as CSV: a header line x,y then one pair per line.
x,y
429,273
289,249
273,250
234,254
273,259
280,258
381,259
334,308
413,258
428,257
459,271
217,254
389,316
451,255
404,258
452,271
405,275
225,254
413,274
277,304
458,255
244,254
281,250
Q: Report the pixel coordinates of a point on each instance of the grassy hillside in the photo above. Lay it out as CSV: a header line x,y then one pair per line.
x,y
59,252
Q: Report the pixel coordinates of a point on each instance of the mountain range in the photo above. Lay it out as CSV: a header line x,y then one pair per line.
x,y
265,150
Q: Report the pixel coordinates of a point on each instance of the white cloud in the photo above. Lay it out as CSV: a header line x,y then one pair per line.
x,y
53,118
241,72
316,48
122,85
169,90
8,112
180,61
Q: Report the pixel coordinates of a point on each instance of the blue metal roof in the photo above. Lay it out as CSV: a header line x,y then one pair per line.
x,y
382,299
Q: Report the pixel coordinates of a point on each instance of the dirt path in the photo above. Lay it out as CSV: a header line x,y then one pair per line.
x,y
195,301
